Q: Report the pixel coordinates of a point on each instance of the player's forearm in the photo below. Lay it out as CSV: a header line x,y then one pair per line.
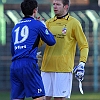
x,y
84,55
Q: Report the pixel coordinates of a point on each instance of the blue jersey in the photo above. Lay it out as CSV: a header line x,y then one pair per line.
x,y
25,38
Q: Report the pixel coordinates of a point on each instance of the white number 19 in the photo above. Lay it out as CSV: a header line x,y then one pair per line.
x,y
24,34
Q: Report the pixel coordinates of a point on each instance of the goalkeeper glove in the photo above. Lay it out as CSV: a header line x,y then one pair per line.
x,y
79,71
39,57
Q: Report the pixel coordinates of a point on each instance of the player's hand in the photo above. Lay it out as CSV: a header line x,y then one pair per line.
x,y
79,71
39,57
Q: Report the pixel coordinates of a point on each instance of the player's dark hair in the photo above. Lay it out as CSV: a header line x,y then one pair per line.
x,y
27,7
66,2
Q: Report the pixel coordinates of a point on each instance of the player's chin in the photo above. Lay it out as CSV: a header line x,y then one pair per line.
x,y
57,14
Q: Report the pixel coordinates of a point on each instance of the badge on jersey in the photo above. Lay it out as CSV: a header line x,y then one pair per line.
x,y
46,32
64,30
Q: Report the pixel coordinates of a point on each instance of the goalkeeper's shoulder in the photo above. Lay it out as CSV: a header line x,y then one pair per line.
x,y
50,20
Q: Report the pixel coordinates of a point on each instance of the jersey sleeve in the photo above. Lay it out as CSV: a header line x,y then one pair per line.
x,y
46,35
82,42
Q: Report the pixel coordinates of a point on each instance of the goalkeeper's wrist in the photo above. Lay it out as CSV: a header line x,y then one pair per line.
x,y
82,63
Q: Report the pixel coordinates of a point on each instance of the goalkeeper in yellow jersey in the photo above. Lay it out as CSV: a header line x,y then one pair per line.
x,y
58,60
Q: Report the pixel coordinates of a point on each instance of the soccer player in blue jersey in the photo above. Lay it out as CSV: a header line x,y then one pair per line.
x,y
25,78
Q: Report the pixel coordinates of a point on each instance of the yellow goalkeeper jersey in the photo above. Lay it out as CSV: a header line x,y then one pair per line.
x,y
68,33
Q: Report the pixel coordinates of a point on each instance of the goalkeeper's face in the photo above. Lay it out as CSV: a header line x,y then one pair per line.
x,y
59,8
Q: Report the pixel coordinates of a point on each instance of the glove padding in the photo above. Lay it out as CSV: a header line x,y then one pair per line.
x,y
79,71
39,57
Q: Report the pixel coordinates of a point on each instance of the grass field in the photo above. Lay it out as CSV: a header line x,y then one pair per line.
x,y
74,96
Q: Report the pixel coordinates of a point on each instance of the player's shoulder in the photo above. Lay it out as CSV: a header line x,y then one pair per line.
x,y
73,19
50,20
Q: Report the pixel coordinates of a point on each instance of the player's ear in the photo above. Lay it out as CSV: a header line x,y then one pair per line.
x,y
35,10
66,6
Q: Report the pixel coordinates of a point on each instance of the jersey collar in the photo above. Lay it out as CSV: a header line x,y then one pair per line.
x,y
64,17
27,17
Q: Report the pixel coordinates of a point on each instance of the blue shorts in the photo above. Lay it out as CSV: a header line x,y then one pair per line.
x,y
26,80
